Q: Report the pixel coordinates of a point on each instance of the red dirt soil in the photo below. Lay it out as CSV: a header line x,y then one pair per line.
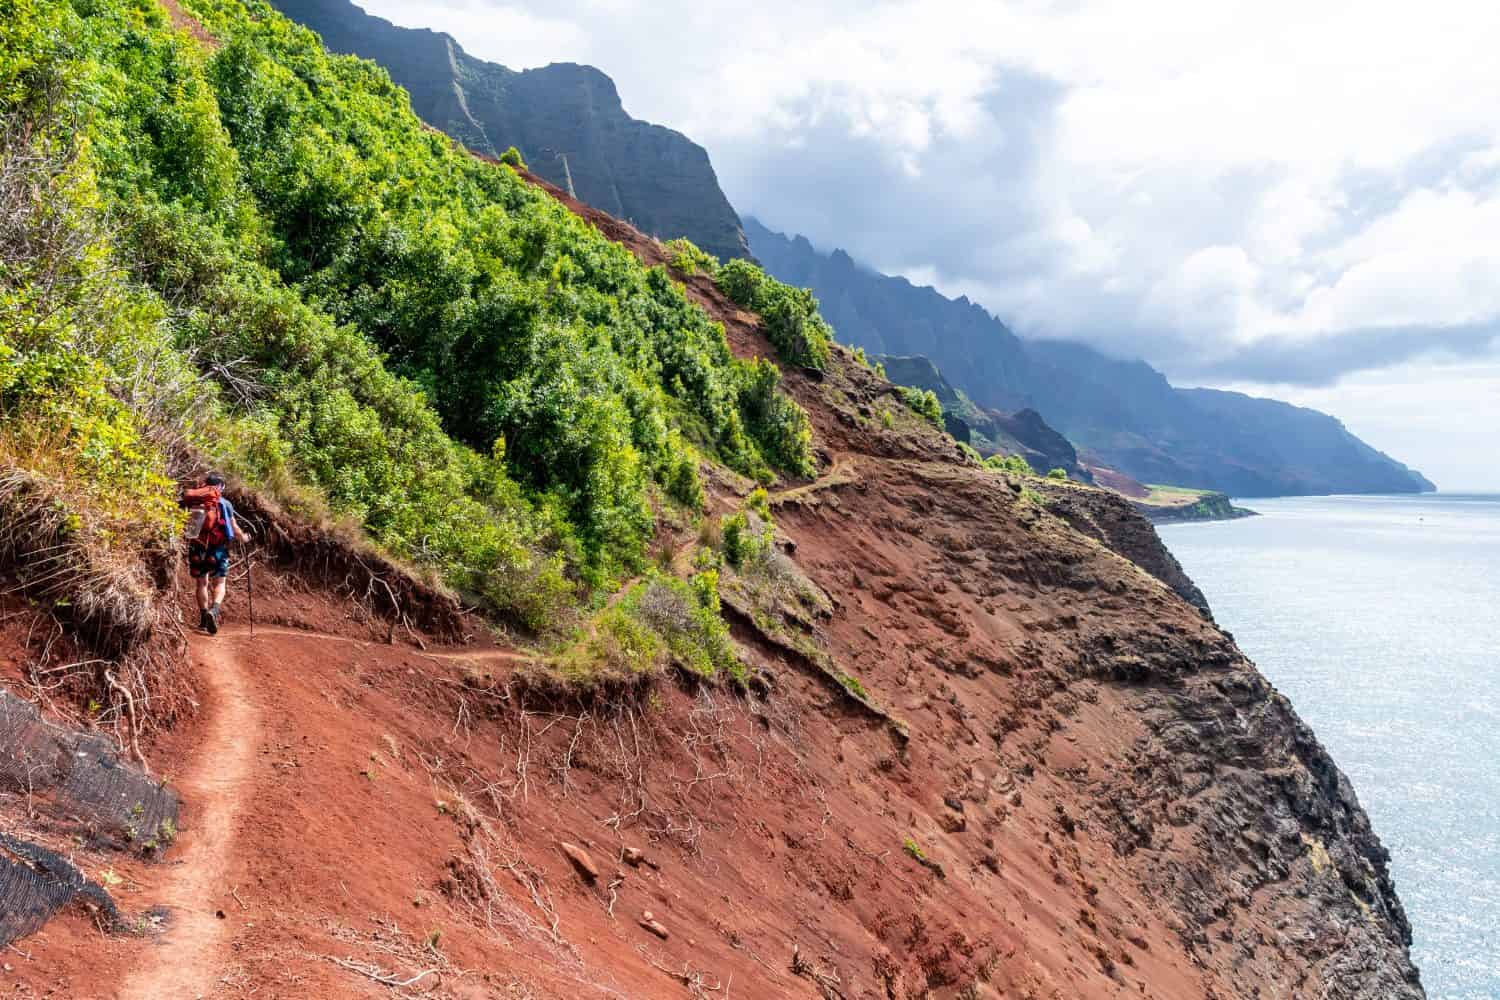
x,y
184,21
1119,482
1099,797
313,831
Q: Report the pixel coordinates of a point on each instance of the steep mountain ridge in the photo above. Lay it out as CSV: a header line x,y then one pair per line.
x,y
1307,439
570,125
566,119
1123,413
1133,419
957,591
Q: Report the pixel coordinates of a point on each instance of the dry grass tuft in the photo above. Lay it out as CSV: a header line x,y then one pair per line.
x,y
107,596
111,597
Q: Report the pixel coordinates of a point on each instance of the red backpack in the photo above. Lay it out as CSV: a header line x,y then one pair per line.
x,y
208,523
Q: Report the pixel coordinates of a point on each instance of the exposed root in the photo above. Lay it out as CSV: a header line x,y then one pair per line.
x,y
472,882
432,968
693,979
350,566
95,602
372,971
828,983
135,726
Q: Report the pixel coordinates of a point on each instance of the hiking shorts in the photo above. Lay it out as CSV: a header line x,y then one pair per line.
x,y
208,560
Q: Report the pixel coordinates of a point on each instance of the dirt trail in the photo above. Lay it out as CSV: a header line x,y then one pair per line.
x,y
186,963
189,959
840,473
476,655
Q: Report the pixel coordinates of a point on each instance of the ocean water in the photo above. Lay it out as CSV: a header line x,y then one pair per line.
x,y
1379,617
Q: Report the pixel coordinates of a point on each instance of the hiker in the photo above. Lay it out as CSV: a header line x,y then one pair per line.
x,y
211,527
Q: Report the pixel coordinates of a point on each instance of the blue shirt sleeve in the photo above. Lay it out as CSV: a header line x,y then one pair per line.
x,y
226,513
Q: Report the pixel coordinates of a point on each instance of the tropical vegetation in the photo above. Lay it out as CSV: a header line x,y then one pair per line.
x,y
252,253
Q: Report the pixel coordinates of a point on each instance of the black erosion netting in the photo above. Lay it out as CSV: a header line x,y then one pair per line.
x,y
35,883
85,775
78,776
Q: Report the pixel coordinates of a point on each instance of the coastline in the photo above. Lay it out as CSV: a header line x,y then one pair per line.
x,y
1186,506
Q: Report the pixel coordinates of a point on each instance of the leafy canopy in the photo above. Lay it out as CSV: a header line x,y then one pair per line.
x,y
378,321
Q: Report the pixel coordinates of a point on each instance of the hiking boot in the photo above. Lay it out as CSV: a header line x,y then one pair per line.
x,y
212,616
204,618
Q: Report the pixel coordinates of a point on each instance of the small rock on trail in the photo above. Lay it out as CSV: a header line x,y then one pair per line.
x,y
649,921
635,857
581,860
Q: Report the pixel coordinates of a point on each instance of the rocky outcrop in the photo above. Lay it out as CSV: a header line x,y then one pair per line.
x,y
1114,521
1022,433
1123,411
1043,447
567,121
1207,507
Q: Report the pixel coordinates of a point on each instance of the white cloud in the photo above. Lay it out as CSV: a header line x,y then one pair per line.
x,y
1206,293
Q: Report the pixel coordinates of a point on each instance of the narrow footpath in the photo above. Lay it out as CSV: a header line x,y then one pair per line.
x,y
190,958
187,962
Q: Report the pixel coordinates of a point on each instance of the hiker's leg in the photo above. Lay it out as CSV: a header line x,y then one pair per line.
x,y
219,556
203,593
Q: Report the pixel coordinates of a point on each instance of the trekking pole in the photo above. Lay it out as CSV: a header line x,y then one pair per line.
x,y
250,581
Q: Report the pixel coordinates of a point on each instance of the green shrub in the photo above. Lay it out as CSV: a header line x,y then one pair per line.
x,y
685,256
686,614
76,405
1014,464
780,425
742,281
386,328
791,320
1058,474
619,646
853,686
924,403
746,537
759,501
789,316
739,542
681,478
887,419
658,619
512,158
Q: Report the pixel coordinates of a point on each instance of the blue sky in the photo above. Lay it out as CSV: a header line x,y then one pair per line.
x,y
1291,199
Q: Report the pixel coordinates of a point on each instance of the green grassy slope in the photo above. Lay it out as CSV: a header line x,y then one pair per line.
x,y
253,252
